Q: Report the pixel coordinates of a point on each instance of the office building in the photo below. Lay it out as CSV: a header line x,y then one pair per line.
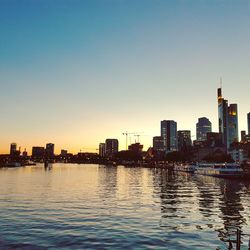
x,y
184,140
203,126
158,143
223,117
50,150
135,147
111,147
13,148
233,134
102,149
38,152
228,120
169,135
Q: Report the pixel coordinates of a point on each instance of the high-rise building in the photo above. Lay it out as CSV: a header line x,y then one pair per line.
x,y
111,147
223,117
13,148
102,149
169,135
248,123
38,152
203,126
228,120
50,150
184,140
158,143
233,134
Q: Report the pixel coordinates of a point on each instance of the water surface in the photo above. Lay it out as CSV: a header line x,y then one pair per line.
x,y
105,207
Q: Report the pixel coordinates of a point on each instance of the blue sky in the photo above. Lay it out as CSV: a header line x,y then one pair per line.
x,y
77,72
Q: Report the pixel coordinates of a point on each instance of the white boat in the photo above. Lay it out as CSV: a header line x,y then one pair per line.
x,y
188,168
225,170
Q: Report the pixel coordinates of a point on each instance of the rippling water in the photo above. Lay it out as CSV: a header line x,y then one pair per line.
x,y
103,207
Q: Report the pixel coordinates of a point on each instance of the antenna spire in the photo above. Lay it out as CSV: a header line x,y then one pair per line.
x,y
221,82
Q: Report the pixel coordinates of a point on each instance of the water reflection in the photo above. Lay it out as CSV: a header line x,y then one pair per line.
x,y
97,206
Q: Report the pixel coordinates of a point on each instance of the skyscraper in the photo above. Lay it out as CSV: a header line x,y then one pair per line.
x,y
228,120
233,135
223,117
50,149
13,148
248,123
203,127
169,135
184,140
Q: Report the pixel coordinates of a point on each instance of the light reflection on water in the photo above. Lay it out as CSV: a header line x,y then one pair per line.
x,y
101,207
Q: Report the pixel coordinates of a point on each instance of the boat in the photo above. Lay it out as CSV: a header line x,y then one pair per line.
x,y
188,168
223,170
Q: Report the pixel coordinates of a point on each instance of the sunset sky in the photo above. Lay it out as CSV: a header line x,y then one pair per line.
x,y
77,72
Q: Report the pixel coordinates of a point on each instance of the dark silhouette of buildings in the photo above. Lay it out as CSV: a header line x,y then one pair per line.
x,y
184,140
214,139
38,153
64,152
49,151
203,126
111,147
169,135
158,144
135,147
13,149
102,149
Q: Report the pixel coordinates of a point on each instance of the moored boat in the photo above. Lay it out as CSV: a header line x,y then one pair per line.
x,y
188,168
224,170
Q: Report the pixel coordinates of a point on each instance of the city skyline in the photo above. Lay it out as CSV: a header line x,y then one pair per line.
x,y
76,74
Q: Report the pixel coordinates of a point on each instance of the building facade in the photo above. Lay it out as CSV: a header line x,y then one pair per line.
x,y
158,144
203,126
111,147
13,148
228,120
223,117
233,134
50,147
169,135
38,152
102,150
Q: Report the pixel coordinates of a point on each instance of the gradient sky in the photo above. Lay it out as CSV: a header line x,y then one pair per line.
x,y
77,72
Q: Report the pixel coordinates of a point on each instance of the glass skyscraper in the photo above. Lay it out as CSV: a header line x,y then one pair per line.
x,y
233,135
169,135
228,120
223,117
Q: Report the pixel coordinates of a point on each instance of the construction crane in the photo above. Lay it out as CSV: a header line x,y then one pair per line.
x,y
130,133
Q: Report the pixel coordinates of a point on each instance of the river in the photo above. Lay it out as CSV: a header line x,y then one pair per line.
x,y
105,207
